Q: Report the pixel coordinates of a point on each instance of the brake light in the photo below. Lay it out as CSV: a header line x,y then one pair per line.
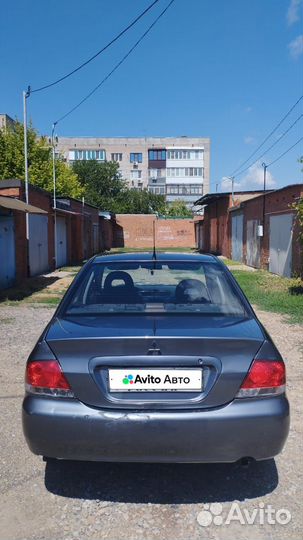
x,y
265,377
46,378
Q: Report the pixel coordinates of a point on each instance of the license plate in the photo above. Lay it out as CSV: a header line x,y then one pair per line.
x,y
155,380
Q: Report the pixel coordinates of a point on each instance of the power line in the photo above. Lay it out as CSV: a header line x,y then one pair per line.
x,y
270,147
286,152
268,136
98,52
116,66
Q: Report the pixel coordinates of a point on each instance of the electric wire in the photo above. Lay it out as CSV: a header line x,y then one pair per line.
x,y
268,136
116,66
57,81
270,147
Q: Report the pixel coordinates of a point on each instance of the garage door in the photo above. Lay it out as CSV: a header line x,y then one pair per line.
x,y
61,242
253,244
280,244
7,252
38,244
237,237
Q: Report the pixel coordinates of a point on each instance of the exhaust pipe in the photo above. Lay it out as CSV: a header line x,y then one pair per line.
x,y
245,462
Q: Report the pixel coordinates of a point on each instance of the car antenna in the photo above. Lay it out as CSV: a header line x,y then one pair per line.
x,y
154,241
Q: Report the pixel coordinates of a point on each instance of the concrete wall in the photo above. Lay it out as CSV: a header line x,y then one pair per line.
x,y
136,231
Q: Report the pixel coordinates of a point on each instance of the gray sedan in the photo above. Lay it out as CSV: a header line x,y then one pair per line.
x,y
155,358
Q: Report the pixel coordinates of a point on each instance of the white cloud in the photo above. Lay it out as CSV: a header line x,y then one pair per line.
x,y
252,180
249,139
293,12
296,47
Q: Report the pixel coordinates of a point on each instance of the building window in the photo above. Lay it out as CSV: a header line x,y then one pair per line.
x,y
85,155
135,174
136,157
184,189
185,154
157,155
185,171
156,173
157,190
116,157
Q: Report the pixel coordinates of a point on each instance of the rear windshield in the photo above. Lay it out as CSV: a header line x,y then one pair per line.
x,y
162,287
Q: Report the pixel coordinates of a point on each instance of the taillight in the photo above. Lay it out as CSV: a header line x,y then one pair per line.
x,y
46,378
265,377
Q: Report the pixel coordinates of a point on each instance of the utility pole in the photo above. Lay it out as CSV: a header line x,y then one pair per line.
x,y
232,179
264,190
232,190
53,142
26,95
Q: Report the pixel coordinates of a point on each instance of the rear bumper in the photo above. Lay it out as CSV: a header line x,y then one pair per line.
x,y
68,429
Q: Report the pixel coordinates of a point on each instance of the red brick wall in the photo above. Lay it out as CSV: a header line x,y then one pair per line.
x,y
134,230
175,233
88,216
216,227
106,229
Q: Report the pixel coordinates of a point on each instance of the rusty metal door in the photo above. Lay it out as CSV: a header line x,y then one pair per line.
x,y
252,243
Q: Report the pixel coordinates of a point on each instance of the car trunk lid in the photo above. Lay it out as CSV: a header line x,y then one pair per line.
x,y
88,347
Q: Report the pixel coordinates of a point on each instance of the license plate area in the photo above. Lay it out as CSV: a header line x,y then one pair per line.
x,y
155,380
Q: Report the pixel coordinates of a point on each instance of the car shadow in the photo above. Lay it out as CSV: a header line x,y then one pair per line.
x,y
160,483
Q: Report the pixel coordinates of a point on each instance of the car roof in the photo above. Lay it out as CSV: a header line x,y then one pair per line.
x,y
161,256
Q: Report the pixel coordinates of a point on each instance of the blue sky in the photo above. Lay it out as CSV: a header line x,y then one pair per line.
x,y
227,69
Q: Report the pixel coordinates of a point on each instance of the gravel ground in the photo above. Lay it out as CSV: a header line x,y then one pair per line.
x,y
130,501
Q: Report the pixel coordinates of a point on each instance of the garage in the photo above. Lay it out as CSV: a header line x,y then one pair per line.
x,y
7,251
252,243
280,244
38,244
237,237
61,252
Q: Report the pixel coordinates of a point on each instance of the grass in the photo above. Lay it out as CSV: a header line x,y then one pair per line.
x,y
273,293
71,269
229,262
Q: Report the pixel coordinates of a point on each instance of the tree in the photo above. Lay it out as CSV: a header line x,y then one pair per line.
x,y
298,206
101,181
105,188
179,209
141,202
40,168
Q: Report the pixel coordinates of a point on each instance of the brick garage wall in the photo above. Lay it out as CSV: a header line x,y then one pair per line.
x,y
176,233
83,225
276,203
42,200
216,227
106,229
20,234
136,231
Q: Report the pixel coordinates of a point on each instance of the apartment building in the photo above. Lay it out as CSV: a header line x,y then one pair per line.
x,y
6,122
175,167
